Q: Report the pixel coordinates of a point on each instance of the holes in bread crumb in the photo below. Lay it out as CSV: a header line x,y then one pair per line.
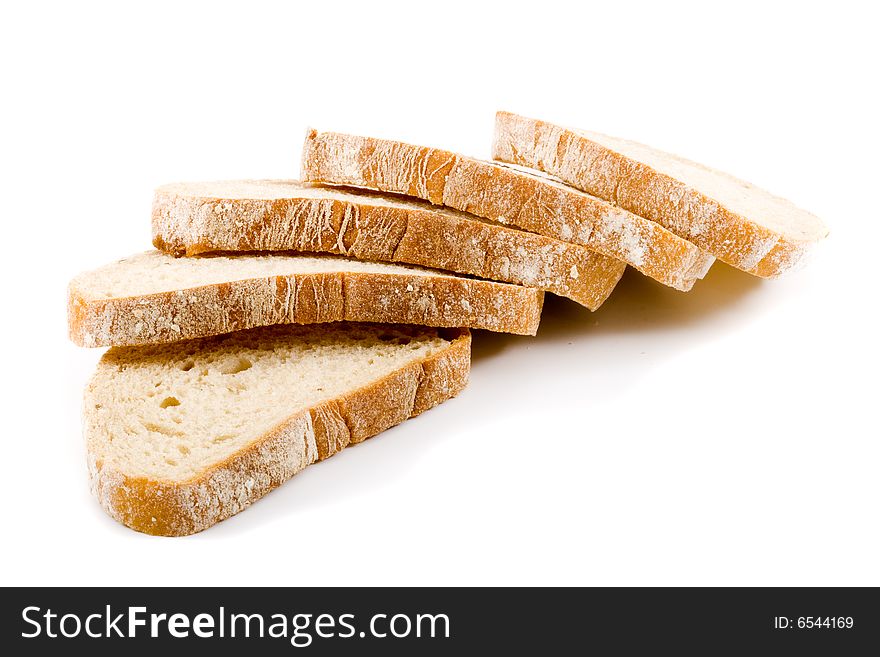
x,y
223,438
170,461
236,366
170,401
158,428
183,449
98,407
187,366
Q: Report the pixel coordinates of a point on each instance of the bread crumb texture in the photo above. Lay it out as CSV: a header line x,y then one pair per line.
x,y
182,436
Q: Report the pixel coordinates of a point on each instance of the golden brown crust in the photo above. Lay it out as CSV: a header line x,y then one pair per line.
x,y
505,195
394,232
635,186
182,508
441,301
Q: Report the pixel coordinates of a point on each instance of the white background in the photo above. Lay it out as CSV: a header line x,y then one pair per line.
x,y
726,436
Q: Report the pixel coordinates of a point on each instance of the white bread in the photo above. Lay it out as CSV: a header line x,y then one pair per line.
x,y
278,215
182,436
152,297
739,223
507,195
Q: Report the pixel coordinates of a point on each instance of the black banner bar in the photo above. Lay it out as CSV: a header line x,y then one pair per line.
x,y
443,620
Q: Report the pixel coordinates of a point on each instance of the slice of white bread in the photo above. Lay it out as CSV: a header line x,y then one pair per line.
x,y
506,195
182,436
153,297
739,223
279,215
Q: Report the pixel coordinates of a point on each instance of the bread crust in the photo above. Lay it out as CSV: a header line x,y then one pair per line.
x,y
185,223
505,195
167,508
635,186
302,298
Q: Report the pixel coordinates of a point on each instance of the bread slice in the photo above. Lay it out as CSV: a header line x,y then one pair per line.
x,y
739,223
153,297
506,195
182,436
278,215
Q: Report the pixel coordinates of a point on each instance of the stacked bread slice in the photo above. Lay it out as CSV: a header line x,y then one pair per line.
x,y
273,216
280,321
505,195
733,220
153,298
181,436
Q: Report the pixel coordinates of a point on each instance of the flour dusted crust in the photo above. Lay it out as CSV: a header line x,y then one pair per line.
x,y
409,297
168,508
256,215
507,195
594,163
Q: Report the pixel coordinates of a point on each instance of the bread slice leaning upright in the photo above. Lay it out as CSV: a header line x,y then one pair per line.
x,y
182,436
153,298
737,222
285,215
506,195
